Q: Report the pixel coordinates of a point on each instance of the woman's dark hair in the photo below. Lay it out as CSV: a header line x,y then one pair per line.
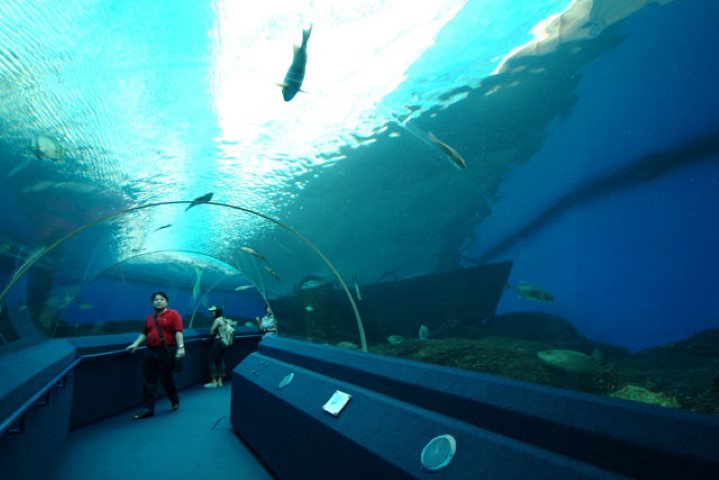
x,y
217,312
162,294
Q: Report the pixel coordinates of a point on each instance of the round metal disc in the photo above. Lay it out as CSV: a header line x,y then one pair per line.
x,y
438,452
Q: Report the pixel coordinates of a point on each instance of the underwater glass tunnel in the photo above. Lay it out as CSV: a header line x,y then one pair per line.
x,y
519,190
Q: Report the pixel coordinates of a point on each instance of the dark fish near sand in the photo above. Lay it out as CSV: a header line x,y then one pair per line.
x,y
449,151
531,292
296,73
572,361
203,199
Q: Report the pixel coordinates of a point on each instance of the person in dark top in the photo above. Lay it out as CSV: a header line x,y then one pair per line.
x,y
158,361
218,349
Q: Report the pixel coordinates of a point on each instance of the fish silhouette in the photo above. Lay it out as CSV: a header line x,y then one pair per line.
x,y
203,199
296,73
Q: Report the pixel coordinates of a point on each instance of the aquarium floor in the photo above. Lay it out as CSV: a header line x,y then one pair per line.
x,y
197,441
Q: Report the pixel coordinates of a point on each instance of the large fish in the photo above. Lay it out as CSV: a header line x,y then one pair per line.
x,y
47,147
296,73
254,253
203,199
572,361
531,292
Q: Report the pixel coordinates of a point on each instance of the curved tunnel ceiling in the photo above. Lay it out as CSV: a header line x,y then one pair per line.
x,y
108,106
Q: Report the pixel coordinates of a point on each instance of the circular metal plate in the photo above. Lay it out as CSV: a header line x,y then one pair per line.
x,y
438,452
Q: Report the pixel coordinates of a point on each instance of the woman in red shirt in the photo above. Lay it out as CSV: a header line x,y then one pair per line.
x,y
158,361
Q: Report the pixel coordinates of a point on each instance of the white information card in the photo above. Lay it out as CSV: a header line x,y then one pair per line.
x,y
336,403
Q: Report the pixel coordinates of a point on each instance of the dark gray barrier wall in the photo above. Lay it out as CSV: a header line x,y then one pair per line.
x,y
106,384
34,377
502,428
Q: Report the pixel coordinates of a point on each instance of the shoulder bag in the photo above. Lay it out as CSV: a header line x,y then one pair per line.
x,y
175,361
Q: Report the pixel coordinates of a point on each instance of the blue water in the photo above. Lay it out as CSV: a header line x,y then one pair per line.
x,y
635,265
591,159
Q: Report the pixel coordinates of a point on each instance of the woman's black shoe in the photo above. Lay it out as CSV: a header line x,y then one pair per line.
x,y
144,413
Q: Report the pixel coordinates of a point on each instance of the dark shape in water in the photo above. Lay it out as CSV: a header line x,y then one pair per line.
x,y
296,73
393,307
532,292
203,199
649,167
453,154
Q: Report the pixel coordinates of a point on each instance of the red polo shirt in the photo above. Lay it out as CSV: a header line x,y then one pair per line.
x,y
170,322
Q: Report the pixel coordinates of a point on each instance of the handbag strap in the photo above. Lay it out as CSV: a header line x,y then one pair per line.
x,y
159,331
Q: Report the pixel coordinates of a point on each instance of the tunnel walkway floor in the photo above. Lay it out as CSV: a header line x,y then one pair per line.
x,y
196,441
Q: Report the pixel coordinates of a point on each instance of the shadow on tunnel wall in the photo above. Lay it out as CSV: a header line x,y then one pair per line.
x,y
441,302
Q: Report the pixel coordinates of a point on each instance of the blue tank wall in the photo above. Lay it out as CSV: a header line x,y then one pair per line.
x,y
634,262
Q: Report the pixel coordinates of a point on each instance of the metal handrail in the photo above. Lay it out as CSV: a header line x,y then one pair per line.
x,y
144,347
20,411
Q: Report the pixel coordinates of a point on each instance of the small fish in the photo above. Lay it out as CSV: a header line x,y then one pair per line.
x,y
357,289
395,339
196,286
203,199
296,73
272,272
451,152
423,332
347,345
19,166
532,292
242,288
73,187
68,300
314,283
164,226
254,253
